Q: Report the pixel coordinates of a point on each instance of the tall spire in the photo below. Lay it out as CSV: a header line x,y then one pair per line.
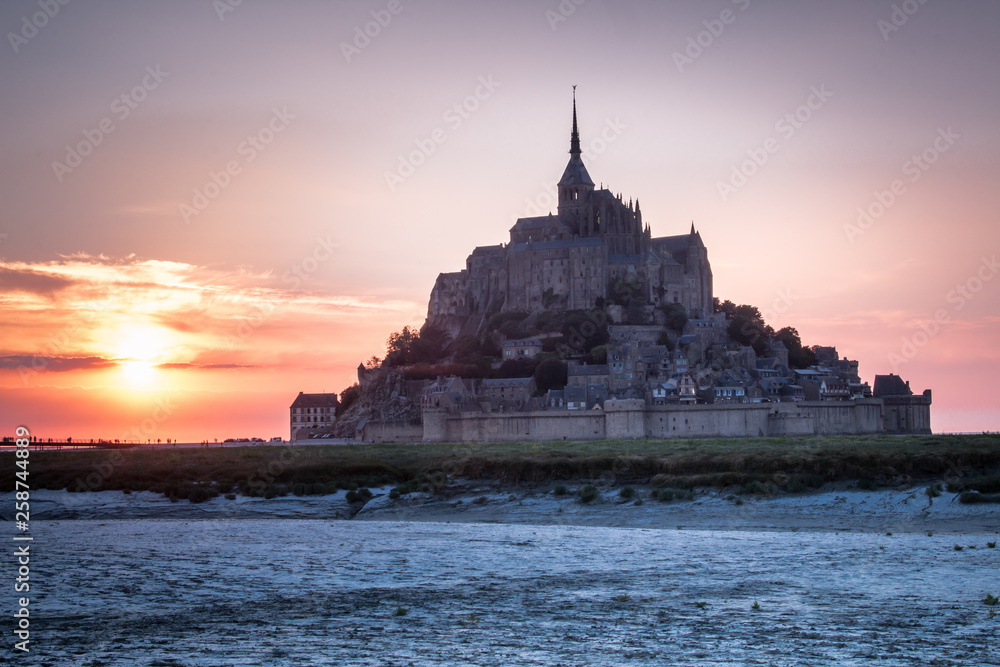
x,y
574,142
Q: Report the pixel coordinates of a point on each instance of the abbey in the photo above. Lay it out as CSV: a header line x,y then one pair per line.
x,y
569,260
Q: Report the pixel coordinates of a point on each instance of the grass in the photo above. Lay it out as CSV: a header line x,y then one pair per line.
x,y
401,611
756,606
991,600
623,598
792,464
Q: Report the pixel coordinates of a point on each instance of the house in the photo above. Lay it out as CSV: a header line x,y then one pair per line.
x,y
582,375
506,393
451,393
687,389
664,393
312,414
591,397
524,348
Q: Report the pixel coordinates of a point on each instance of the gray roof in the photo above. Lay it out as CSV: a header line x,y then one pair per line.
x,y
531,223
315,401
507,382
672,243
488,250
890,385
556,245
597,369
576,173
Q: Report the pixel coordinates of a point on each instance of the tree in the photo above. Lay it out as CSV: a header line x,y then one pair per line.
x,y
727,307
747,327
676,316
398,346
347,398
798,356
550,374
625,292
599,354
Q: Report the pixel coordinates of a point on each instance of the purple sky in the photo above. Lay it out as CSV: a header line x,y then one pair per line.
x,y
311,212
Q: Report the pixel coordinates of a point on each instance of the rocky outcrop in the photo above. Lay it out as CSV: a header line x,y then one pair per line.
x,y
383,398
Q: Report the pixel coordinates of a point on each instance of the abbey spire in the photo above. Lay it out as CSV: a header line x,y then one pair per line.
x,y
575,183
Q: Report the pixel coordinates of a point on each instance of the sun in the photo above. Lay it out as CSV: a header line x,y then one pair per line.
x,y
140,348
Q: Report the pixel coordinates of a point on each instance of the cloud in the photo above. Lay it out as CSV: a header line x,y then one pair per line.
x,y
32,282
187,366
54,364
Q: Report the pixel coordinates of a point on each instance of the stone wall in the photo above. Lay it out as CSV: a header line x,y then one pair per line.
x,y
632,419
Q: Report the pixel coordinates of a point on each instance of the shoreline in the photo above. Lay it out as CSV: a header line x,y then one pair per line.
x,y
830,509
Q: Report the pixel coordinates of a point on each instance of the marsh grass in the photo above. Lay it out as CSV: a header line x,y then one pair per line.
x,y
793,464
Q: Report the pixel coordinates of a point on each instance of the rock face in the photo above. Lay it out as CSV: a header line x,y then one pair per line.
x,y
383,398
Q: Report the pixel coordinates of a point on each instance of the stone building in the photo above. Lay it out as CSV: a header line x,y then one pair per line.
x,y
312,414
567,260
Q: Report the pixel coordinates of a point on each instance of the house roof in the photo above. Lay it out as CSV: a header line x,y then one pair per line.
x,y
890,385
599,369
315,401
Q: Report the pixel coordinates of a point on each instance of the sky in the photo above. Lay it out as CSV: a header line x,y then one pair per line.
x,y
211,205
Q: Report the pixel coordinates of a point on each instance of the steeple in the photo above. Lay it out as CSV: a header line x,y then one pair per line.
x,y
575,181
574,141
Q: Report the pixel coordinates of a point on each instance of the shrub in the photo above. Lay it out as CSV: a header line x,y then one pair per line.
x,y
352,497
627,492
991,600
481,500
991,545
984,484
126,491
660,480
622,598
958,547
867,484
933,491
972,497
757,488
664,495
815,481
587,493
560,490
756,606
394,494
230,496
365,494
401,611
200,494
796,485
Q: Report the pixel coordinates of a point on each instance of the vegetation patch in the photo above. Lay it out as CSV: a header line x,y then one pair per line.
x,y
587,493
974,497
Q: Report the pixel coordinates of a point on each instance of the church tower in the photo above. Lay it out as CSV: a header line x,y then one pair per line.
x,y
575,184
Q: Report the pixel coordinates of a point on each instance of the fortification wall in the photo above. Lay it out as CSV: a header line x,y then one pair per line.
x,y
391,432
631,419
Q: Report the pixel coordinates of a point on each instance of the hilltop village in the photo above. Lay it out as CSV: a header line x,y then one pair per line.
x,y
586,326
